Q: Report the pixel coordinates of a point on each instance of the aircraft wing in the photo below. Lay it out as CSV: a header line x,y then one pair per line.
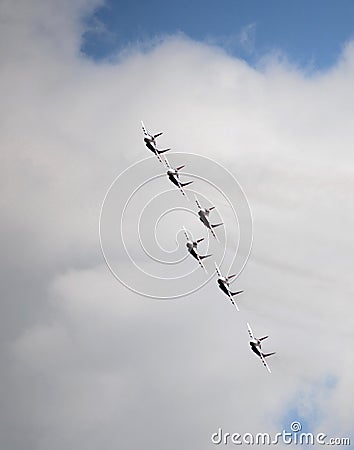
x,y
265,362
250,331
167,163
185,233
218,270
232,300
197,202
143,127
201,263
181,188
213,233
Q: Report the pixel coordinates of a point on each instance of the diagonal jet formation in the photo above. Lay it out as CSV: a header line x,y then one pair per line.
x,y
224,285
173,176
192,249
256,347
223,281
203,214
150,142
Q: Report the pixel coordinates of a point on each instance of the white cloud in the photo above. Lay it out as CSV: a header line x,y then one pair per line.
x,y
87,363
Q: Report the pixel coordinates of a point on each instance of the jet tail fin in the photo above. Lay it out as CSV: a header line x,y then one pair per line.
x,y
265,355
163,151
216,225
235,293
186,184
200,240
179,168
157,135
262,338
204,256
231,276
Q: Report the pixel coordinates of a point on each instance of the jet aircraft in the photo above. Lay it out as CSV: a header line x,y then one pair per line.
x,y
173,176
192,249
256,347
203,214
150,142
224,285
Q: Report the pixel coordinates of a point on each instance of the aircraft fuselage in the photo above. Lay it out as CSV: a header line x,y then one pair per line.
x,y
223,286
193,253
256,347
203,218
150,144
173,178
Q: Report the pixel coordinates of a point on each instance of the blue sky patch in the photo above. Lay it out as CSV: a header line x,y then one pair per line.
x,y
311,33
305,408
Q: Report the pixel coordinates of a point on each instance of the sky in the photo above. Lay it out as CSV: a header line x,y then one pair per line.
x,y
310,34
267,97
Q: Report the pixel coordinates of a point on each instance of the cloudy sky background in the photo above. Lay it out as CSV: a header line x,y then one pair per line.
x,y
86,363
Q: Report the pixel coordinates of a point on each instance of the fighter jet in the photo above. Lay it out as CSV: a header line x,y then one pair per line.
x,y
224,285
192,248
150,142
257,349
204,218
173,176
